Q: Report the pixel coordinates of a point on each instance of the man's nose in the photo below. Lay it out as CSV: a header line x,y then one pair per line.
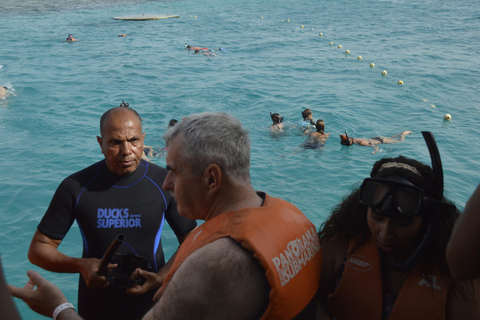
x,y
167,183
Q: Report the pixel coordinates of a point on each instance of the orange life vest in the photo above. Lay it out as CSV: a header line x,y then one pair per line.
x,y
359,293
281,238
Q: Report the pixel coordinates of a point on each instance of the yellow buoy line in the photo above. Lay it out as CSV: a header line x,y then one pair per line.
x,y
384,73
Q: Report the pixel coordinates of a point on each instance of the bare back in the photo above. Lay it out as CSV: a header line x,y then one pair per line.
x,y
221,280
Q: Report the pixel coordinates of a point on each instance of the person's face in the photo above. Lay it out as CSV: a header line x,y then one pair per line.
x,y
122,142
185,185
395,238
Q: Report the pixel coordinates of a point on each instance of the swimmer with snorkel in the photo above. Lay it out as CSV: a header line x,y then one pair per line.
x,y
70,38
201,49
372,142
277,122
316,139
3,92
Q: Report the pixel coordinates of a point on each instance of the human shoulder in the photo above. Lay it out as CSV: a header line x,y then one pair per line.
x,y
155,171
81,177
221,280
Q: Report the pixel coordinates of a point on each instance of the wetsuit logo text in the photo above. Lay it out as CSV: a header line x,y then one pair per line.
x,y
116,218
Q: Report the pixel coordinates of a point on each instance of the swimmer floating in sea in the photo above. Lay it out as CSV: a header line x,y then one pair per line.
x,y
70,38
3,91
188,47
317,139
373,142
277,122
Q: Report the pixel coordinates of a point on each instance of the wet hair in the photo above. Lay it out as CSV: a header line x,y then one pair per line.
x,y
106,116
345,140
306,113
172,122
349,218
214,138
276,117
320,125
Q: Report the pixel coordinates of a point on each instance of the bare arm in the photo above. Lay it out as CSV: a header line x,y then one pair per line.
x,y
44,298
219,281
333,255
464,246
43,252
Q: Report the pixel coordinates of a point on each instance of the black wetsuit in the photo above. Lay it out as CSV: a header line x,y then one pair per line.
x,y
104,206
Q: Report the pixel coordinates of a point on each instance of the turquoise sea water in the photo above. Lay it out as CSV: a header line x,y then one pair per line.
x,y
48,126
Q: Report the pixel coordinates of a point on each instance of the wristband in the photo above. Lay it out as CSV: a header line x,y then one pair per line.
x,y
60,308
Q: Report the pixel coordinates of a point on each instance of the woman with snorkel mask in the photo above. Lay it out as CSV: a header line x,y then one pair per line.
x,y
383,248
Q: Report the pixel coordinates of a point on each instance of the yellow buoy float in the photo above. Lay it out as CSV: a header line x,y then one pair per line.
x,y
331,43
384,72
372,65
400,82
339,46
359,58
447,117
347,51
320,34
302,26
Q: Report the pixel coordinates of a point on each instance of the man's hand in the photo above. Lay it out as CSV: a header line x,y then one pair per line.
x,y
89,270
44,299
154,281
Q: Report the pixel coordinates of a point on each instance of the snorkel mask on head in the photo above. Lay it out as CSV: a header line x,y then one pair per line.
x,y
124,104
398,198
346,140
276,117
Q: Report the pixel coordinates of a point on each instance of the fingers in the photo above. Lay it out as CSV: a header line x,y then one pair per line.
x,y
20,293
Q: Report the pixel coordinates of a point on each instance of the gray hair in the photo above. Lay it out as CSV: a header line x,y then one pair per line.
x,y
215,138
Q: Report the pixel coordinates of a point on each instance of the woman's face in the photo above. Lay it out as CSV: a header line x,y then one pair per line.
x,y
395,238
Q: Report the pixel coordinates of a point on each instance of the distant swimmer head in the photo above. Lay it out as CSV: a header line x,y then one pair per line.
x,y
221,49
197,51
124,104
276,118
345,139
172,122
320,125
306,113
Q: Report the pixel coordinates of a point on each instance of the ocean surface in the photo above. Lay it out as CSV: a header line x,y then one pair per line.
x,y
276,60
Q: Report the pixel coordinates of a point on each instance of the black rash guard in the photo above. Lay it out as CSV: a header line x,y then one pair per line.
x,y
104,206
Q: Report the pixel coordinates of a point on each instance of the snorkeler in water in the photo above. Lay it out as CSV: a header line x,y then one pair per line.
x,y
372,142
316,139
3,91
188,47
70,38
277,122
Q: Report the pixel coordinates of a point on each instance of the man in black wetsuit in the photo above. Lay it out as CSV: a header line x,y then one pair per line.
x,y
121,194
